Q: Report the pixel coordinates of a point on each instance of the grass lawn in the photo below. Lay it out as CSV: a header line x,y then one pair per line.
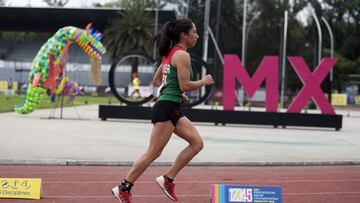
x,y
8,102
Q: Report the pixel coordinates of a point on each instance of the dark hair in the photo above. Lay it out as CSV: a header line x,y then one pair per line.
x,y
170,35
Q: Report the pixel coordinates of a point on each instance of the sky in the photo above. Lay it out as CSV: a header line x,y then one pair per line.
x,y
40,3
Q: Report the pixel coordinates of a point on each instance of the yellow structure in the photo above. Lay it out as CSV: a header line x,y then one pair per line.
x,y
339,99
20,188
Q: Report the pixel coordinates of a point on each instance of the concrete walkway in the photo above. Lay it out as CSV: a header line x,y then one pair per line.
x,y
82,138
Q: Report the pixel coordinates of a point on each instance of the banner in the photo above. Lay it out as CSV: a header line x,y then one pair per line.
x,y
357,100
243,194
339,99
145,91
22,188
3,85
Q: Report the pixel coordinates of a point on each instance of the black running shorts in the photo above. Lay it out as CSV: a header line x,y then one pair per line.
x,y
165,111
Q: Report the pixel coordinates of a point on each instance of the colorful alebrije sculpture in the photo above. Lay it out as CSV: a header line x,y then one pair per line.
x,y
50,62
68,88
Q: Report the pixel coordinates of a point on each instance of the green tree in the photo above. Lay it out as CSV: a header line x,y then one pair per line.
x,y
265,36
115,3
226,28
343,69
265,32
344,18
24,36
133,30
125,3
56,3
264,27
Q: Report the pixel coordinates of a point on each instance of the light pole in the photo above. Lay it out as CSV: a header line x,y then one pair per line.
x,y
247,37
218,11
186,5
206,39
244,31
206,31
319,35
331,54
243,48
283,60
217,49
157,2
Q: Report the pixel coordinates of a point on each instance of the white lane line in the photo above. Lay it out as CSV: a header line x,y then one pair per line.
x,y
201,181
134,196
322,193
201,195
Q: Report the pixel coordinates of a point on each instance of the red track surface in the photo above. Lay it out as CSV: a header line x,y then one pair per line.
x,y
93,183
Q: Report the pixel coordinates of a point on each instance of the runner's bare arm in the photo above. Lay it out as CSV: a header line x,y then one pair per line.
x,y
157,77
181,60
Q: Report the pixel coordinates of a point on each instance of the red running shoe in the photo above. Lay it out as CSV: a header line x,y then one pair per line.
x,y
167,187
123,197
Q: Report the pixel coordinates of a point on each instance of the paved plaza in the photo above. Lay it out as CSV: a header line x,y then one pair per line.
x,y
82,138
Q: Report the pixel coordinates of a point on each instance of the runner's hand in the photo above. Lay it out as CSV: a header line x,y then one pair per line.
x,y
208,80
185,99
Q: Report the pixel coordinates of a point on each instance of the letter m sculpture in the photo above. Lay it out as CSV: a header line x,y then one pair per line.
x,y
234,70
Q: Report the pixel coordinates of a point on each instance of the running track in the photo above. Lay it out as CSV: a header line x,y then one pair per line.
x,y
301,184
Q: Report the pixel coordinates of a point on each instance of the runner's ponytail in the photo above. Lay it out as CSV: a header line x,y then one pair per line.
x,y
170,35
